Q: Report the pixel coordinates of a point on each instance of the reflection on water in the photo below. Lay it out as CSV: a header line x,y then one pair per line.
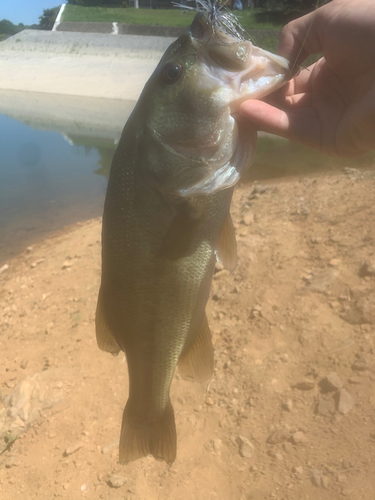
x,y
46,182
50,147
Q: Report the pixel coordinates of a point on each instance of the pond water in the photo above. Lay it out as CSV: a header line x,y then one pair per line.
x,y
54,165
48,180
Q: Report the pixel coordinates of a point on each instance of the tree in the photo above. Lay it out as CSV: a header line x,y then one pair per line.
x,y
97,3
47,20
8,28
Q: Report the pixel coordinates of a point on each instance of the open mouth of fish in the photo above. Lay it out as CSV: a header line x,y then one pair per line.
x,y
243,71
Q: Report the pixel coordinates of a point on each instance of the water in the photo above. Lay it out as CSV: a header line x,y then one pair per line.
x,y
55,157
47,181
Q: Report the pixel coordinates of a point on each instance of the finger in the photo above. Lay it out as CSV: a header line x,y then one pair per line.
x,y
298,125
300,83
299,39
281,101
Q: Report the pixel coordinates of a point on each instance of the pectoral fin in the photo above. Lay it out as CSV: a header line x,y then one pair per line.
x,y
226,244
104,337
177,241
197,363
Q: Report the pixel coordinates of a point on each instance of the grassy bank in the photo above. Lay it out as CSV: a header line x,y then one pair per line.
x,y
159,17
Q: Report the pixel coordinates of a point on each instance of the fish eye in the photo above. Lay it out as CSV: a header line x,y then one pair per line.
x,y
171,72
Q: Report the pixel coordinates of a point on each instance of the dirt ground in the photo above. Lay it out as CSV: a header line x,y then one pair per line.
x,y
290,411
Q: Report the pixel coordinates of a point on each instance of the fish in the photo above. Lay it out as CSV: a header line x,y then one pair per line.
x,y
166,218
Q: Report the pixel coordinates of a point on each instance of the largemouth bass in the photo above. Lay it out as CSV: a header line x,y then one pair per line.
x,y
166,217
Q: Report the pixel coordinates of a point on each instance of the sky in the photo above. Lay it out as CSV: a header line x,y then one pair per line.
x,y
25,11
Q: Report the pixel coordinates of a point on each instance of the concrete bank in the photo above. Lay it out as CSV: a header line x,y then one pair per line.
x,y
122,29
80,64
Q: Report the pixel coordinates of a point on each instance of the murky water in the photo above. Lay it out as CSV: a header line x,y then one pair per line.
x,y
47,181
55,157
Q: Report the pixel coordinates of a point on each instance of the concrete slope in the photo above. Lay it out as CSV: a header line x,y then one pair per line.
x,y
81,64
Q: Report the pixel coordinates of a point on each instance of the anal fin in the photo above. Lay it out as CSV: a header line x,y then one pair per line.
x,y
104,337
197,363
157,438
226,244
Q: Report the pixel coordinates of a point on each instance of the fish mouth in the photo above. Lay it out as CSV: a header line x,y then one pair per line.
x,y
224,49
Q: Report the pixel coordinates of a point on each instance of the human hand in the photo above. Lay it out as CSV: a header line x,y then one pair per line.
x,y
331,105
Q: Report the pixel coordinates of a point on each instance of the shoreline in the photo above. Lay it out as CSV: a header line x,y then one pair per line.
x,y
80,64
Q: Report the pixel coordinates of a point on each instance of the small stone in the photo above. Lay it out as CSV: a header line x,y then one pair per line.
x,y
316,477
72,449
109,447
298,470
198,408
10,462
315,239
279,456
360,366
87,486
367,268
325,482
209,401
354,380
117,481
278,436
248,219
67,264
29,249
260,189
217,444
66,486
334,262
345,402
288,447
299,438
284,358
341,478
4,268
305,385
24,363
218,294
37,262
331,383
288,405
246,449
325,407
219,267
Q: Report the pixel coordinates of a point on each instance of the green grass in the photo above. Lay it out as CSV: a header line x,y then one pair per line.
x,y
160,17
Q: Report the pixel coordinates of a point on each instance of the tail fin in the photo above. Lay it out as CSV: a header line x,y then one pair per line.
x,y
157,438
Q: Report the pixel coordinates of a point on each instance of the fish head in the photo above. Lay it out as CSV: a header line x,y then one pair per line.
x,y
191,100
